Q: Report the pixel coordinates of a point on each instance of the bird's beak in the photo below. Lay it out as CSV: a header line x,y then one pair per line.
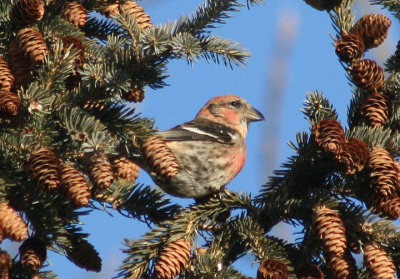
x,y
254,115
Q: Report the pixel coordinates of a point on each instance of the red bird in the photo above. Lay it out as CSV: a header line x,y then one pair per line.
x,y
210,149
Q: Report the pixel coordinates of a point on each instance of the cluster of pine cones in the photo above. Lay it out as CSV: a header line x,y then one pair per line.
x,y
27,50
51,174
382,168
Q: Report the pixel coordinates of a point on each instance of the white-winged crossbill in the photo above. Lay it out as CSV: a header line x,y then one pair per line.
x,y
210,150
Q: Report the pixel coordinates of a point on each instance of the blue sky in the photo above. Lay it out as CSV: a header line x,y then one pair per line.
x,y
309,63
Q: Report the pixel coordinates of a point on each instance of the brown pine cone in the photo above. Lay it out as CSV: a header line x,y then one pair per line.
x,y
383,172
33,254
159,158
366,74
132,9
5,265
387,205
13,226
331,231
372,28
75,13
350,47
27,12
100,171
377,109
397,164
272,269
6,76
9,103
45,168
1,236
329,135
75,44
84,255
136,11
309,272
378,262
354,155
136,94
343,267
173,259
125,169
75,184
20,65
32,43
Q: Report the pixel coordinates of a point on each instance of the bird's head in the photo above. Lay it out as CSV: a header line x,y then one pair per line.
x,y
232,111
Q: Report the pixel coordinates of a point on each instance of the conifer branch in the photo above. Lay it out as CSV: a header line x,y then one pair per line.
x,y
391,5
211,12
229,52
148,204
262,247
342,17
318,107
184,224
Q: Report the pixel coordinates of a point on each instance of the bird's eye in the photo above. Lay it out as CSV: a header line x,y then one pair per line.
x,y
235,103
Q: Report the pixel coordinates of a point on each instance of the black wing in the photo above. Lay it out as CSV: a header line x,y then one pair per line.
x,y
200,129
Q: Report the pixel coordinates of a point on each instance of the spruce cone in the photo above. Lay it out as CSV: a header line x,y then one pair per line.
x,y
33,254
126,169
75,13
331,231
329,135
383,172
343,267
323,4
136,94
75,183
173,259
75,44
5,265
350,47
32,43
372,28
13,226
366,74
20,65
45,168
9,103
6,76
309,272
378,262
389,206
354,155
159,158
84,255
26,12
100,170
377,109
273,269
136,11
132,9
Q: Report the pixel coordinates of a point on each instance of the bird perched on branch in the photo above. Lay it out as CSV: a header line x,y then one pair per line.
x,y
199,157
